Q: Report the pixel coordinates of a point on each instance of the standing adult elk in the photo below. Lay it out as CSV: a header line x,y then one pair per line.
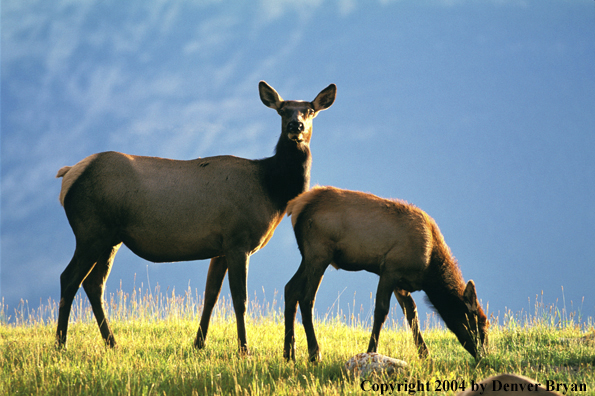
x,y
223,208
355,231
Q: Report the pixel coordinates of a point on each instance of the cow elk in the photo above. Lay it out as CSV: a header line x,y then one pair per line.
x,y
356,231
223,208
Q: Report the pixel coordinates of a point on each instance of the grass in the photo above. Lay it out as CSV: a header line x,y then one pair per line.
x,y
155,332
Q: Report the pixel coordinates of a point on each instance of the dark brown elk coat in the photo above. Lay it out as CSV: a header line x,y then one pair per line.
x,y
224,208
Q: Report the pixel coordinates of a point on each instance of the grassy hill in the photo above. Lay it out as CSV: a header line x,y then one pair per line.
x,y
155,356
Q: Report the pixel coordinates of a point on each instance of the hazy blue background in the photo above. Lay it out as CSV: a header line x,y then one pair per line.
x,y
480,113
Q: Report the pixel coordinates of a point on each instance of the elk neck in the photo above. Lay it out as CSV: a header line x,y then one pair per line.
x,y
287,173
444,287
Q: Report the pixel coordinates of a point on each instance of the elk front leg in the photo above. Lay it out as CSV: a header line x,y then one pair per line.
x,y
385,288
314,277
215,276
238,285
410,310
293,293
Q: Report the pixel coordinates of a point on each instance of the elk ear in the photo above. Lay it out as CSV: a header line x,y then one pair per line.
x,y
470,297
269,96
325,98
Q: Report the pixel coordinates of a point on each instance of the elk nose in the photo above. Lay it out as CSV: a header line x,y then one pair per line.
x,y
295,126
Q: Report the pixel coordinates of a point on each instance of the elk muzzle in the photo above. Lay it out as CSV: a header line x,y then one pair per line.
x,y
295,130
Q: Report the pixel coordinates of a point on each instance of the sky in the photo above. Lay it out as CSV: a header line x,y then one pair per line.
x,y
480,113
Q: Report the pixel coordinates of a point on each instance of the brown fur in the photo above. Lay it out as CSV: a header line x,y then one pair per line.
x,y
71,173
224,208
397,241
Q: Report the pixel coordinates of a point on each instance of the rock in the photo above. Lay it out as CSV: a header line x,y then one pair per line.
x,y
364,364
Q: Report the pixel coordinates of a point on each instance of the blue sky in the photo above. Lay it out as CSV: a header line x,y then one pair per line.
x,y
480,113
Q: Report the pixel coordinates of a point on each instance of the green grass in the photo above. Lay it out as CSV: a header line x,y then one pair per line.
x,y
155,356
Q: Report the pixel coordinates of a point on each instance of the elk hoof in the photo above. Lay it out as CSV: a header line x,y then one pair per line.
x,y
315,357
244,351
199,343
289,355
111,343
424,353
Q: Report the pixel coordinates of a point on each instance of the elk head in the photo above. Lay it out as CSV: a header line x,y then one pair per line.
x,y
474,337
297,115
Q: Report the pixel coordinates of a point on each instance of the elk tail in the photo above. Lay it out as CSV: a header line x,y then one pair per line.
x,y
63,171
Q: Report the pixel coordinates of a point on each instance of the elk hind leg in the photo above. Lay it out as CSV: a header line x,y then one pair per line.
x,y
410,310
80,266
94,285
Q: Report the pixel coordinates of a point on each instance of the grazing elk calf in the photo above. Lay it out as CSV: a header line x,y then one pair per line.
x,y
355,231
224,208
